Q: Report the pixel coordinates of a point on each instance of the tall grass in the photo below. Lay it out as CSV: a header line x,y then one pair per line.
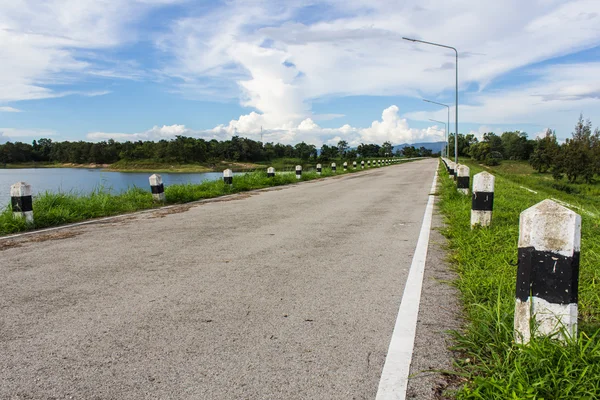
x,y
52,209
485,259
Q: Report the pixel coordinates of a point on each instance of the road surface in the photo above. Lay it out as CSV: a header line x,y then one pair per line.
x,y
285,293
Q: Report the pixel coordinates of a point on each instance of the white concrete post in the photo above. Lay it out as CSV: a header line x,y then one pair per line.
x,y
333,167
369,164
462,180
270,172
482,203
548,272
228,176
353,164
319,168
22,201
362,164
345,165
157,187
298,171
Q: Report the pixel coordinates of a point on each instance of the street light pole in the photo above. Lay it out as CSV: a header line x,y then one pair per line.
x,y
448,107
456,103
445,131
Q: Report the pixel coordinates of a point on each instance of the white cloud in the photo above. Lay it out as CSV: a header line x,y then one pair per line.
x,y
9,109
391,128
281,64
53,42
156,133
278,57
11,134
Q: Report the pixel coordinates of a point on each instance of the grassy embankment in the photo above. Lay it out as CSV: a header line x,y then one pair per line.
x,y
52,209
280,164
491,364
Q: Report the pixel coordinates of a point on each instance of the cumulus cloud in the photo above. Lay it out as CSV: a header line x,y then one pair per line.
x,y
390,128
278,63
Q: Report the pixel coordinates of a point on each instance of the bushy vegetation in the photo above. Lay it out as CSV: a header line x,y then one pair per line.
x,y
490,364
577,159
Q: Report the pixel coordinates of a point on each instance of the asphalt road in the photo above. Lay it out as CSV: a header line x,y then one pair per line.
x,y
287,293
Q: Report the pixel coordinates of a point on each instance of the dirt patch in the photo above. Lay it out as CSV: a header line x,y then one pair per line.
x,y
116,220
10,244
172,210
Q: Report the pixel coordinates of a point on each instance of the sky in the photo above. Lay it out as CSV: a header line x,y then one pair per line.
x,y
292,71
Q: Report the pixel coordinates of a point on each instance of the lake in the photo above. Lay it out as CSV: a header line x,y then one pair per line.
x,y
82,180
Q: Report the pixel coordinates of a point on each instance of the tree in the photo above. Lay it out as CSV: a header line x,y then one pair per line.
x,y
342,147
464,143
545,153
576,156
386,149
515,146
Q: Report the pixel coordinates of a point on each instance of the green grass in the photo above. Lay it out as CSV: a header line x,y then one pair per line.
x,y
485,260
52,209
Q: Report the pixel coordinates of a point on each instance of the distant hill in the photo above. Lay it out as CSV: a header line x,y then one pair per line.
x,y
433,146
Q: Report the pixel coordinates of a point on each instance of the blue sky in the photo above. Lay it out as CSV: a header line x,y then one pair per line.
x,y
317,71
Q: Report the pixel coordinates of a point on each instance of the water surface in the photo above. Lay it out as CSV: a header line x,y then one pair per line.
x,y
82,180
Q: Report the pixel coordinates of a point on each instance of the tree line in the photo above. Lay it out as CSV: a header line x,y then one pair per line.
x,y
577,158
181,149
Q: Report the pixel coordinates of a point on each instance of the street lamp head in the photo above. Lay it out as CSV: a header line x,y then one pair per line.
x,y
412,40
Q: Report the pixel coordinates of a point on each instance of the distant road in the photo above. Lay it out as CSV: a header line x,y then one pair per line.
x,y
286,293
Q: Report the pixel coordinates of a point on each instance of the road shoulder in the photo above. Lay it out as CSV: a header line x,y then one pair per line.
x,y
439,312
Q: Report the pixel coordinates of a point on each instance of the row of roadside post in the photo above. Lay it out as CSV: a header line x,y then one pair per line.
x,y
547,281
22,199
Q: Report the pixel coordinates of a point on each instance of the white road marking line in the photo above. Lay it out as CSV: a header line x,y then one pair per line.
x,y
529,190
394,378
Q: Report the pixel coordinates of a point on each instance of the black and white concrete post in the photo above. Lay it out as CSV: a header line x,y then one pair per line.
x,y
22,201
548,272
270,172
228,176
451,165
319,169
157,187
298,171
345,165
482,203
462,180
333,167
353,164
362,164
369,164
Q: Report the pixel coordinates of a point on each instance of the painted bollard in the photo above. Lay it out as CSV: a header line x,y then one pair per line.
x,y
482,203
157,187
462,180
298,171
451,169
345,165
353,164
333,167
228,176
362,164
270,172
369,164
22,201
548,272
319,168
